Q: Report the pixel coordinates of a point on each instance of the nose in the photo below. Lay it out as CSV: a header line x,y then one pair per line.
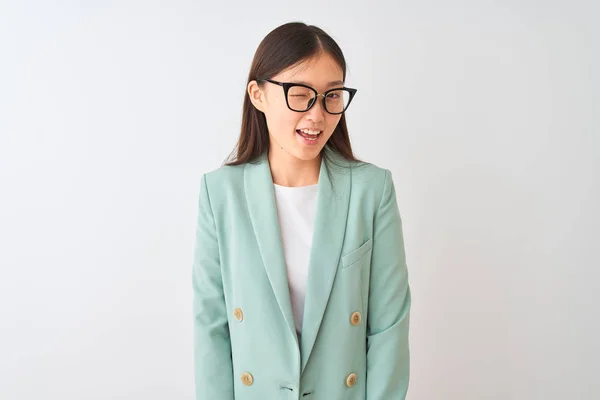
x,y
317,111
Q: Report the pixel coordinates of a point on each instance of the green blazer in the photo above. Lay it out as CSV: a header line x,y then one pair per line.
x,y
354,340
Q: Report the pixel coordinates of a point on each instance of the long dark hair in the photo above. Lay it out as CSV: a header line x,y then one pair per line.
x,y
286,46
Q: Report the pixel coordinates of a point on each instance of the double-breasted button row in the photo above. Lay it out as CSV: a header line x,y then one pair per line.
x,y
247,378
238,314
351,380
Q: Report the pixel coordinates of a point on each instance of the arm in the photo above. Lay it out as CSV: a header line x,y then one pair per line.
x,y
388,362
212,347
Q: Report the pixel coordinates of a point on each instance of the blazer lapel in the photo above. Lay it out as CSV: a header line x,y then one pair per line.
x,y
333,195
260,197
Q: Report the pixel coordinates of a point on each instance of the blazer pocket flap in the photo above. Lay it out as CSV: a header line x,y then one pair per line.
x,y
355,255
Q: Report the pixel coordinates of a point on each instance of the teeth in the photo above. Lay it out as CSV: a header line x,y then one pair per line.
x,y
309,132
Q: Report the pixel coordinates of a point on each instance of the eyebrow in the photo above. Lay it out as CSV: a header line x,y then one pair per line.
x,y
333,83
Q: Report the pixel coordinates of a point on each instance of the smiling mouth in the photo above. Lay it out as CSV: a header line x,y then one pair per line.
x,y
309,136
309,139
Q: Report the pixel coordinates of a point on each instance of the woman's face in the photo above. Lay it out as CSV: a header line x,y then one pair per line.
x,y
284,125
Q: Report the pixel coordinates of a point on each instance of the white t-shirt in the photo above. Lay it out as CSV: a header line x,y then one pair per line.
x,y
296,208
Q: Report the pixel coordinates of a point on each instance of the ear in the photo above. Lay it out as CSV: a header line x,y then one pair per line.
x,y
257,96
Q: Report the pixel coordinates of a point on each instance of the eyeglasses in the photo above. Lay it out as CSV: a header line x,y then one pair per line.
x,y
301,98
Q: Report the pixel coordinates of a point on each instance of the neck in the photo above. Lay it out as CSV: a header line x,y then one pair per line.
x,y
291,171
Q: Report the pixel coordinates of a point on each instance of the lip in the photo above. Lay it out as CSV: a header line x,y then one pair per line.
x,y
308,142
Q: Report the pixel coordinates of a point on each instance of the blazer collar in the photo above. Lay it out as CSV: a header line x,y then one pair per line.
x,y
333,194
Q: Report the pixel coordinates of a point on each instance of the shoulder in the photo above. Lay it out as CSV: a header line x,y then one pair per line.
x,y
370,176
226,181
363,172
224,175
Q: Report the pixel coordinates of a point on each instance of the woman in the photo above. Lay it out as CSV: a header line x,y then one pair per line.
x,y
299,279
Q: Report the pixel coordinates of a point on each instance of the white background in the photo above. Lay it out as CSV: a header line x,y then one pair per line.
x,y
486,113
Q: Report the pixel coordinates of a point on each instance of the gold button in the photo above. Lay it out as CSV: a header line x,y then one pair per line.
x,y
239,315
351,380
247,379
355,318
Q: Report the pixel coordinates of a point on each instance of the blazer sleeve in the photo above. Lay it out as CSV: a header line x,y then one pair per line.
x,y
388,361
213,371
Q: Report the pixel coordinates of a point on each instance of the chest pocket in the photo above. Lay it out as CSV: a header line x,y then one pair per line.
x,y
354,278
354,258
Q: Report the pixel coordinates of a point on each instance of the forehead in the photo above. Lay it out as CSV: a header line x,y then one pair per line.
x,y
320,72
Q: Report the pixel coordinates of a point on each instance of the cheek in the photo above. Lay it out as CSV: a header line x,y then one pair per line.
x,y
287,121
332,122
282,123
280,119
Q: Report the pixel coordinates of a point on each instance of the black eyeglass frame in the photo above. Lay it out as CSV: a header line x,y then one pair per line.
x,y
287,85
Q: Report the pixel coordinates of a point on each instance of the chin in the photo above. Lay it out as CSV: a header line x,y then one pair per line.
x,y
307,154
